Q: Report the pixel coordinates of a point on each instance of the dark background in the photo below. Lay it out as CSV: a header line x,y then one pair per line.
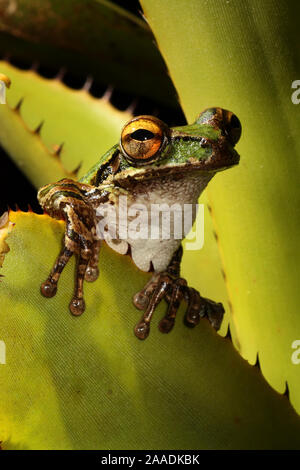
x,y
15,189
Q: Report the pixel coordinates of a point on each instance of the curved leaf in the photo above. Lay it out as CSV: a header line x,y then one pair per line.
x,y
86,126
88,383
244,56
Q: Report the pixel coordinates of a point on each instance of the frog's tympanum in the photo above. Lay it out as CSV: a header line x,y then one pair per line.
x,y
152,164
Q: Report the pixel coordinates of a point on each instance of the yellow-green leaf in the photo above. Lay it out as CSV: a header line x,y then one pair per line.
x,y
88,383
244,56
86,126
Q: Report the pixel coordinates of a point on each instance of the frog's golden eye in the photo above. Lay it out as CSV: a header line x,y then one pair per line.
x,y
142,139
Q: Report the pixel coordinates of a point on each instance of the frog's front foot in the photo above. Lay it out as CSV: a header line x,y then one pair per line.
x,y
80,239
86,270
174,290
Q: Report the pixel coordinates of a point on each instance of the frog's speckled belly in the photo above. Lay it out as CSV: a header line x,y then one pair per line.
x,y
132,219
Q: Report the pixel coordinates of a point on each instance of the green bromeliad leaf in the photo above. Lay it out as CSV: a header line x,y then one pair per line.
x,y
244,56
88,383
86,126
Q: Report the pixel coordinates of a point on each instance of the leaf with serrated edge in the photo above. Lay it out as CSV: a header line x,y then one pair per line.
x,y
88,383
86,126
255,205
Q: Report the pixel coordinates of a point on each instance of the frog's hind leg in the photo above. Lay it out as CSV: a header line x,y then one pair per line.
x,y
170,286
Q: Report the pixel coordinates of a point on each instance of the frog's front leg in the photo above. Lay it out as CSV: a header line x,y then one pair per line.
x,y
170,286
69,200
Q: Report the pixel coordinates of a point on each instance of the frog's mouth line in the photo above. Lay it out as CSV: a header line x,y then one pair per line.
x,y
214,164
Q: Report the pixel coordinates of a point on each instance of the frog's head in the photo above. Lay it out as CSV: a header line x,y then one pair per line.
x,y
148,144
148,148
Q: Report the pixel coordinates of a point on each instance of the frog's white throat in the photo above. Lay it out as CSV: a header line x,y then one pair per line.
x,y
127,216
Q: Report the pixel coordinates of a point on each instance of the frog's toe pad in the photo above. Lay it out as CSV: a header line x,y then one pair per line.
x,y
166,325
200,307
77,306
91,274
140,300
142,330
174,290
48,289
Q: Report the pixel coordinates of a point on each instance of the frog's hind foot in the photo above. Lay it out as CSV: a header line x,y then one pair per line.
x,y
174,289
49,287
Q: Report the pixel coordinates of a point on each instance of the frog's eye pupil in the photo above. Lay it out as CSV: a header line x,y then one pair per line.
x,y
142,135
143,139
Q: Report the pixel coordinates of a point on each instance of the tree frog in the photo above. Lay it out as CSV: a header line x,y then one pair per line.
x,y
151,164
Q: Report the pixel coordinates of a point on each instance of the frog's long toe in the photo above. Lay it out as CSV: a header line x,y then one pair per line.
x,y
192,315
200,307
77,304
166,324
174,290
174,300
49,287
142,330
141,300
91,274
214,311
161,286
155,291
